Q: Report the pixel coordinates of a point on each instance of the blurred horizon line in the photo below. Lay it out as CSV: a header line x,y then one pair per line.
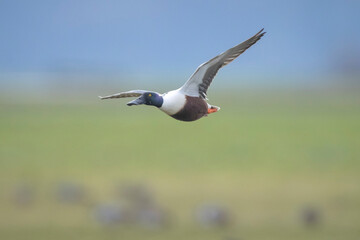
x,y
60,87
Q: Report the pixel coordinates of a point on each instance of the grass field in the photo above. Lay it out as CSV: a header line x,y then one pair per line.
x,y
264,156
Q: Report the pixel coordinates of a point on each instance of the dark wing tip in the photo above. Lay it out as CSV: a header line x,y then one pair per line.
x,y
260,33
257,36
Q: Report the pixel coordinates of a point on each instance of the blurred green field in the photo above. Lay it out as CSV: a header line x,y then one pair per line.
x,y
265,156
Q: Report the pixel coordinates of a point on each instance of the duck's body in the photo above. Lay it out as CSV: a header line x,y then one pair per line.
x,y
188,103
183,107
194,109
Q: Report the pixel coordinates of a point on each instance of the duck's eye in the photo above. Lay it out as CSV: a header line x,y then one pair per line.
x,y
149,94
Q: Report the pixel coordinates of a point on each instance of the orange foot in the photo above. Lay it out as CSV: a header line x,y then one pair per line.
x,y
212,110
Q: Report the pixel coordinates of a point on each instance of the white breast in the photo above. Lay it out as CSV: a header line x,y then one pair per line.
x,y
174,101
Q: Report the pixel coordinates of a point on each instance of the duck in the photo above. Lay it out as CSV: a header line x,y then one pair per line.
x,y
189,102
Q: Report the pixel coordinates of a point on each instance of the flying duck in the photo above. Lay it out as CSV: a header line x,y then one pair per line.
x,y
189,102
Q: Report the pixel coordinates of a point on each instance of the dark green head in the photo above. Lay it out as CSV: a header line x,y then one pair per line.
x,y
148,98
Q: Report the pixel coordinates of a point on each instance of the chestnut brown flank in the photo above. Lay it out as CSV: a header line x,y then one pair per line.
x,y
195,108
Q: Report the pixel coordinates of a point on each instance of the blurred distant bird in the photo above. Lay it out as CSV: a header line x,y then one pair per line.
x,y
188,103
110,214
210,215
310,216
71,193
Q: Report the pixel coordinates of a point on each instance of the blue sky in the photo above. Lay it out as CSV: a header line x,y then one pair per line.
x,y
174,37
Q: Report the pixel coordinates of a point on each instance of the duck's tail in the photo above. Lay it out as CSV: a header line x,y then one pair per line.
x,y
212,109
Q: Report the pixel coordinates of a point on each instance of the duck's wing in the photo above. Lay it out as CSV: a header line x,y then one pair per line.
x,y
201,79
132,93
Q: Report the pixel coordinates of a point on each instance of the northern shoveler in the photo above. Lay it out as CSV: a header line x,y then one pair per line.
x,y
189,103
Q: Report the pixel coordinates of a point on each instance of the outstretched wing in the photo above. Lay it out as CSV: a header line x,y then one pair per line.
x,y
132,93
200,81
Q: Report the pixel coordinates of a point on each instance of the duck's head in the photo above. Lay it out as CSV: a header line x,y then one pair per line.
x,y
148,98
